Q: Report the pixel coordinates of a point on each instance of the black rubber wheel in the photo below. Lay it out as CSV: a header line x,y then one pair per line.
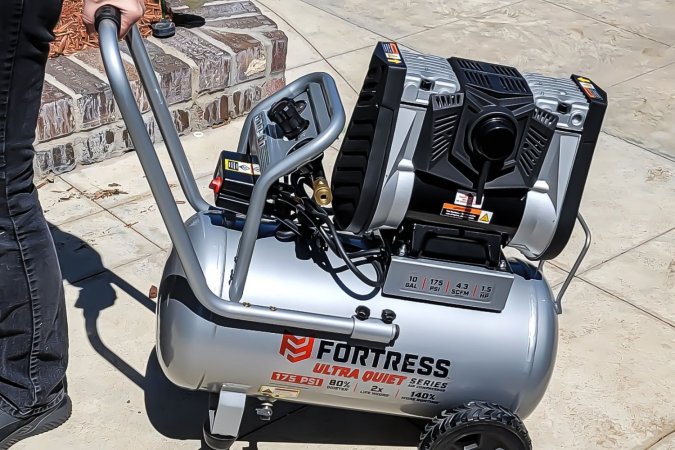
x,y
216,442
476,426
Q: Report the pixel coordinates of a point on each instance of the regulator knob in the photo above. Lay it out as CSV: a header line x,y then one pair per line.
x,y
286,114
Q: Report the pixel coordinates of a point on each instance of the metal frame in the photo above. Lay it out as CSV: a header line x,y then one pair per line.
x,y
372,330
575,267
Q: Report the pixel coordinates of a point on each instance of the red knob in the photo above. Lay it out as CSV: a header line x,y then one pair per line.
x,y
216,184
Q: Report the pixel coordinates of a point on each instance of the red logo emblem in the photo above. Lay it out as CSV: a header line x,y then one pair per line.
x,y
296,348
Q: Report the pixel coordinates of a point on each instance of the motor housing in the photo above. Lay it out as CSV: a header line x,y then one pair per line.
x,y
466,147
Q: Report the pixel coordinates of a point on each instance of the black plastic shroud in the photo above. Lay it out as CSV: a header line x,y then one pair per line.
x,y
359,169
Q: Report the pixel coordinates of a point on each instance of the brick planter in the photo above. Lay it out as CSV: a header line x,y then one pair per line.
x,y
209,76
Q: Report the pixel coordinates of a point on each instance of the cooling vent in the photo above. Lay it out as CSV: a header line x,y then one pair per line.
x,y
533,149
545,117
446,101
478,78
504,70
468,64
516,85
494,77
444,131
537,140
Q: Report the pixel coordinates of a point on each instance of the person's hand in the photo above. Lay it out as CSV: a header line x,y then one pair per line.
x,y
132,11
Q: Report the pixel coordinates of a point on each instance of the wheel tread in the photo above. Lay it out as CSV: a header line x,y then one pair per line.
x,y
476,411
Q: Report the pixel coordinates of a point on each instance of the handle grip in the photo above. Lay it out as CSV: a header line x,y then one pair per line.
x,y
108,12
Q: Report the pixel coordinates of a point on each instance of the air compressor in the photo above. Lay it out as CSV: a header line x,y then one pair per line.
x,y
384,286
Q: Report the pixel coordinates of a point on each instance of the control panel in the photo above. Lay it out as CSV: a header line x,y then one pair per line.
x,y
287,126
273,133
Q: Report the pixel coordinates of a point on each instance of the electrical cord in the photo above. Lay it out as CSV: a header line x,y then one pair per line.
x,y
316,219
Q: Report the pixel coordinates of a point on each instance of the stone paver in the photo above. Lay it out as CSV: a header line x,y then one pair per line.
x,y
644,276
213,62
143,216
401,18
667,443
125,174
328,34
100,239
353,66
208,75
650,18
614,382
56,114
91,59
623,184
300,51
643,111
540,37
62,203
95,100
612,387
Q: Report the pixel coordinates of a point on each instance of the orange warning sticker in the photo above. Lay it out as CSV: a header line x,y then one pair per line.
x,y
466,213
589,88
460,212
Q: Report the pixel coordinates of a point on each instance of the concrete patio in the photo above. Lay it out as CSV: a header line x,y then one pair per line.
x,y
614,383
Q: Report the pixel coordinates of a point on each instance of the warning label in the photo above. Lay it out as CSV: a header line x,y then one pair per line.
x,y
279,392
391,52
466,213
241,167
589,88
485,217
460,212
466,198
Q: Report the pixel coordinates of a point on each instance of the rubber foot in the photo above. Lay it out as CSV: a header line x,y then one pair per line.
x,y
216,442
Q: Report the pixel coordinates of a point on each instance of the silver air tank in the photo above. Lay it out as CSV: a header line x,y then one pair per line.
x,y
444,356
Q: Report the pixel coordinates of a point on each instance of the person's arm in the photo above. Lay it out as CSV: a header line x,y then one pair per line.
x,y
132,11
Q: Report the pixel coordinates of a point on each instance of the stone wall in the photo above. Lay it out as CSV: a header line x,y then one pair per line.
x,y
209,76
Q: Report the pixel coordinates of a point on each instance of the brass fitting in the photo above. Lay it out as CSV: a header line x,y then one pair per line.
x,y
322,193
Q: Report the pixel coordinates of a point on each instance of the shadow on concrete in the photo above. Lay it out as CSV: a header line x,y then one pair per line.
x,y
322,425
179,414
174,412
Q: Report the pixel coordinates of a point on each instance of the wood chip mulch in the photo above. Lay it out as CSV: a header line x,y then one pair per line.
x,y
72,36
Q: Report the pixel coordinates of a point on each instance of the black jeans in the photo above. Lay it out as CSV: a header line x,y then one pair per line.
x,y
33,329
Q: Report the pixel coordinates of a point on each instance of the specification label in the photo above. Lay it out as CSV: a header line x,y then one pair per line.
x,y
448,287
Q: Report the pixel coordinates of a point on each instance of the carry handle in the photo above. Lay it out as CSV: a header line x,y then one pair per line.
x,y
370,330
297,159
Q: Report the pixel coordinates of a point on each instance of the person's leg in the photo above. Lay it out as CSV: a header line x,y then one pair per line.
x,y
33,329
